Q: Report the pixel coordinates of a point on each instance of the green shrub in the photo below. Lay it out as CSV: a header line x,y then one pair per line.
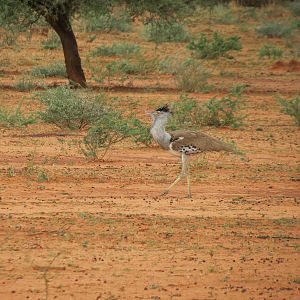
x,y
295,8
164,31
25,84
216,47
15,119
190,76
117,49
107,22
274,29
53,70
68,108
223,14
52,43
217,112
291,107
270,51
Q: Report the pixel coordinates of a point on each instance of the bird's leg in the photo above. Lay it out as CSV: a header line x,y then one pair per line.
x,y
184,173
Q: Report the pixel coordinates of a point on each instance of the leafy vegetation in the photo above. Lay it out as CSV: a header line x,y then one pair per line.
x,y
275,29
190,76
93,21
70,109
295,8
53,42
205,48
54,70
270,51
117,49
165,31
15,119
291,107
217,112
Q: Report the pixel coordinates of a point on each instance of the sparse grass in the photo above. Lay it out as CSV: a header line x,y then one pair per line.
x,y
270,51
117,49
223,14
11,172
291,107
294,7
190,76
25,84
217,112
107,22
67,108
57,69
296,280
205,48
15,119
164,31
275,30
53,42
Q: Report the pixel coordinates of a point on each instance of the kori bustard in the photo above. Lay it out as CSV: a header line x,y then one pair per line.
x,y
182,143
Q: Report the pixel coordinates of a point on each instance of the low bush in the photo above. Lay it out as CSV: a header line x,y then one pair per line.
x,y
67,108
53,70
217,112
270,51
205,48
295,8
275,30
190,76
25,84
113,128
52,43
117,49
15,119
107,22
165,31
291,107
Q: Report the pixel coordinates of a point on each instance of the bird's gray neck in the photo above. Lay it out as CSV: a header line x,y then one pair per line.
x,y
158,131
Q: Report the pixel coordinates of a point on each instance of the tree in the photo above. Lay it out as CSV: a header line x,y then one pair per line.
x,y
58,14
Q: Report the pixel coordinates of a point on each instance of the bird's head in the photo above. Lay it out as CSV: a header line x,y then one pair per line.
x,y
163,112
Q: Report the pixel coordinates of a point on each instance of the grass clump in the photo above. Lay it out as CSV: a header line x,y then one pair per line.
x,y
217,112
294,7
15,119
291,107
52,43
205,48
113,128
53,70
190,76
165,31
25,84
107,22
275,30
117,49
223,14
270,51
67,108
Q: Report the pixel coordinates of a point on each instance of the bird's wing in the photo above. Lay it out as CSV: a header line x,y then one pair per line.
x,y
196,142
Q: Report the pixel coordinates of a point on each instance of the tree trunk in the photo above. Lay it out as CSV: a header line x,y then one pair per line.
x,y
61,24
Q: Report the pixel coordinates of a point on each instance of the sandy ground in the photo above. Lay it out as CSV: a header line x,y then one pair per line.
x,y
100,230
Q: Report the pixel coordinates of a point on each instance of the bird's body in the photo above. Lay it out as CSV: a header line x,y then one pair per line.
x,y
182,142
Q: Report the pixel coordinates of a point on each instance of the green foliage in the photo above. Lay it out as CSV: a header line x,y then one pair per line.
x,y
25,84
67,108
107,22
295,8
190,76
216,47
117,49
291,107
52,43
270,51
165,31
217,112
15,119
224,15
53,70
275,30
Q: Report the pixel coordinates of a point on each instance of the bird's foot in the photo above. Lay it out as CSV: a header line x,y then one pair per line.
x,y
164,193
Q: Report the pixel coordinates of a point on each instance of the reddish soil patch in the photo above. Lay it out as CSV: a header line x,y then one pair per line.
x,y
291,66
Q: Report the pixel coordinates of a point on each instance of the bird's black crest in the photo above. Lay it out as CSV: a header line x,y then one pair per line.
x,y
164,108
